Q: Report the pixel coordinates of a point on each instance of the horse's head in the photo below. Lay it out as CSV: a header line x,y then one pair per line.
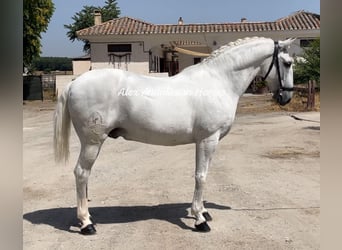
x,y
280,72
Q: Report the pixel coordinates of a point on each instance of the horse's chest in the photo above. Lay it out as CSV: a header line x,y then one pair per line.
x,y
225,130
209,127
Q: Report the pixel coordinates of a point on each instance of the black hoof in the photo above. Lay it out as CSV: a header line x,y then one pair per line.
x,y
203,227
88,230
207,216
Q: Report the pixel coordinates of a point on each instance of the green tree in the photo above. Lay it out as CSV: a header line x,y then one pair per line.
x,y
85,18
308,68
36,18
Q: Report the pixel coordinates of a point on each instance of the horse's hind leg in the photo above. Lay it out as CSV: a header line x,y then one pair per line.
x,y
88,155
204,152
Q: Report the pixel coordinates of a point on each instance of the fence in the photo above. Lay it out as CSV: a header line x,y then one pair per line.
x,y
307,91
32,87
39,87
311,95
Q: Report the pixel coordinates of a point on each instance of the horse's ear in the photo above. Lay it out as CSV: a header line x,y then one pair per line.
x,y
286,43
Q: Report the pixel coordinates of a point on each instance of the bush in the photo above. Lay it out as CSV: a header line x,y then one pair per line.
x,y
47,64
308,67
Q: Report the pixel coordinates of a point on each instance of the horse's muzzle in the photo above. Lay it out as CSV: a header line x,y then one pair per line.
x,y
283,97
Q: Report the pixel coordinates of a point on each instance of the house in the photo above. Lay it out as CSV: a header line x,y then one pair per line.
x,y
165,49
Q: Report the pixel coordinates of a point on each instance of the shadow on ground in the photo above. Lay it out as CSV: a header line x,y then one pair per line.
x,y
64,218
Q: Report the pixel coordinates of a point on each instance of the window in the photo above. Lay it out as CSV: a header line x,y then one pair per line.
x,y
197,60
119,47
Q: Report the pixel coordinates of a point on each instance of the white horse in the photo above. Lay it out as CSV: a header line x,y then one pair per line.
x,y
197,105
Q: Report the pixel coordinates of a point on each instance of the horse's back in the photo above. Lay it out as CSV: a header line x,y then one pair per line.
x,y
95,80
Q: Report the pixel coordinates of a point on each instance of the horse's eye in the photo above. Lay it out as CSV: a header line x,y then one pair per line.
x,y
287,64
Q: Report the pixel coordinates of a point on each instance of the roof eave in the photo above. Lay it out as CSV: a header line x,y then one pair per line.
x,y
139,27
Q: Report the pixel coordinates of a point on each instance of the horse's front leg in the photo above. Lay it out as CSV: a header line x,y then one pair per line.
x,y
204,152
88,155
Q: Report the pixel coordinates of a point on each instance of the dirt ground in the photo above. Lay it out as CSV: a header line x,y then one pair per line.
x,y
263,188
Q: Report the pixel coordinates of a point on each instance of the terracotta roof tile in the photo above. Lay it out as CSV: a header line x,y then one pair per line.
x,y
186,43
300,20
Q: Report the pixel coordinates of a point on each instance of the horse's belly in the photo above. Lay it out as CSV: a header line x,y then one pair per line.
x,y
153,137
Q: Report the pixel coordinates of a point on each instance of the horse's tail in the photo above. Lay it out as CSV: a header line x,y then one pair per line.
x,y
62,127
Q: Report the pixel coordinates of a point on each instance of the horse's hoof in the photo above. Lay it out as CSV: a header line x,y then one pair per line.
x,y
88,230
203,227
207,216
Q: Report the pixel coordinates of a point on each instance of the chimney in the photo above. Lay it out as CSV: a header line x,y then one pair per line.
x,y
97,17
180,21
243,20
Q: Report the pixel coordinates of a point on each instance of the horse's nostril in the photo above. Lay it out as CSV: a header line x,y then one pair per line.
x,y
279,98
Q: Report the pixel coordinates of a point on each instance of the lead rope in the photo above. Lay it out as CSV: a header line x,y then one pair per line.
x,y
302,119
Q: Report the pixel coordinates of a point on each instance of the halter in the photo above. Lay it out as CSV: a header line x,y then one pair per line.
x,y
275,60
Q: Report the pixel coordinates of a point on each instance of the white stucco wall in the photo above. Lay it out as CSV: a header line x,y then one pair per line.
x,y
80,67
138,61
62,81
141,44
188,60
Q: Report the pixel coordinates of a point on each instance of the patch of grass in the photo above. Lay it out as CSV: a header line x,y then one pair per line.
x,y
290,153
297,104
265,103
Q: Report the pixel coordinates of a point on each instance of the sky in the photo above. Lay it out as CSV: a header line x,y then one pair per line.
x,y
56,43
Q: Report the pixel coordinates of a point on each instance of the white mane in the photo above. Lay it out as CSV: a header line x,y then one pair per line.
x,y
229,46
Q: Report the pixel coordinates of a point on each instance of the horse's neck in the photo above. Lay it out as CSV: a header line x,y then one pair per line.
x,y
240,65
